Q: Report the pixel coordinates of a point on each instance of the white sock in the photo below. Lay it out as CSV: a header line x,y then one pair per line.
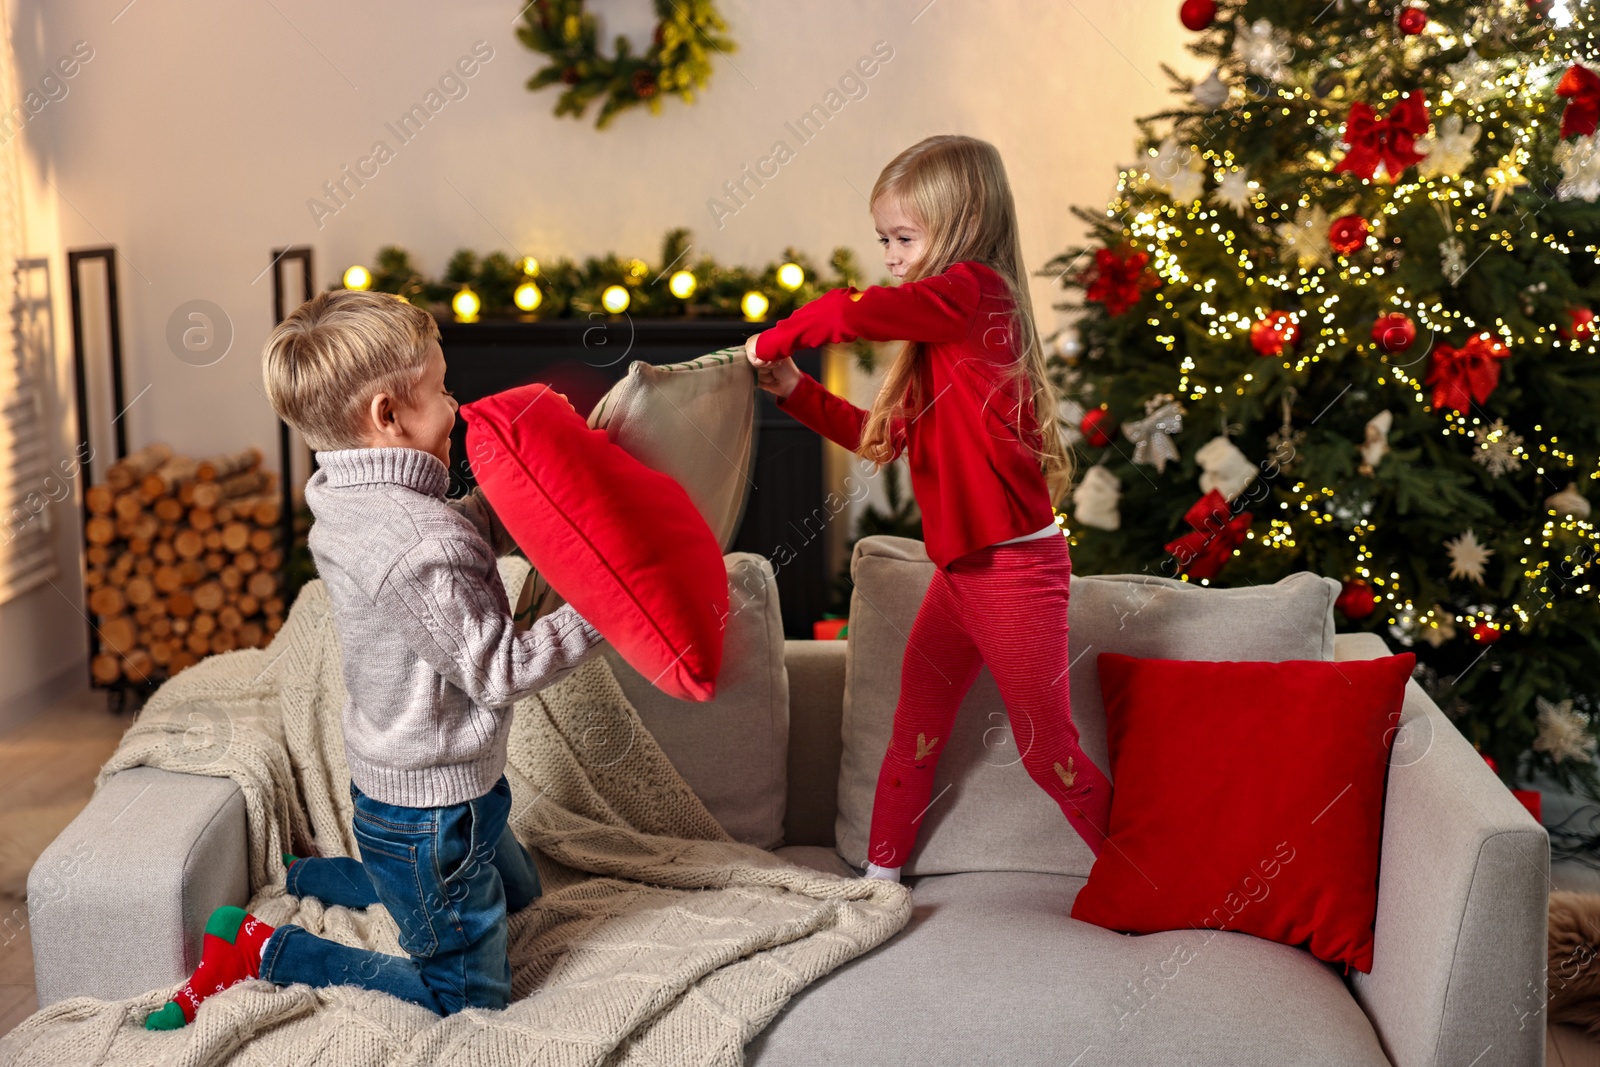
x,y
888,874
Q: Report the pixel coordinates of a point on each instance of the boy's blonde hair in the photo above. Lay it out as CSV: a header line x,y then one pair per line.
x,y
956,187
324,363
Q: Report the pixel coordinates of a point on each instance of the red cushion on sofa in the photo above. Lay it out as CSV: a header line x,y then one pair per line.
x,y
622,543
1247,796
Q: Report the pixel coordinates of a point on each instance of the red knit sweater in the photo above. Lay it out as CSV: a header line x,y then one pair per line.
x,y
975,480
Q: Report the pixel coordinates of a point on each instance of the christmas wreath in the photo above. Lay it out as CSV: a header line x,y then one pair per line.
x,y
678,60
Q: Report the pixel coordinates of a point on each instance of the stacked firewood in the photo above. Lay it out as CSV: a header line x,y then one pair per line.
x,y
182,560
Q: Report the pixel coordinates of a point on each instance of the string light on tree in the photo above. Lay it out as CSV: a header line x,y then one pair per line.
x,y
527,297
357,277
615,299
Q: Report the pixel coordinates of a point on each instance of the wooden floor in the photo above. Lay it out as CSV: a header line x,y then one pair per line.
x,y
47,769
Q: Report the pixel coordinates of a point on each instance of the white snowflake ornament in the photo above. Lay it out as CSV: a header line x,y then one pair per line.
x,y
1306,238
1094,500
1497,448
1179,170
1468,557
1579,160
1263,47
1235,191
1563,733
1448,149
1439,627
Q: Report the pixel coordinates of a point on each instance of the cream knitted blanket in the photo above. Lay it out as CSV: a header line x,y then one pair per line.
x,y
659,940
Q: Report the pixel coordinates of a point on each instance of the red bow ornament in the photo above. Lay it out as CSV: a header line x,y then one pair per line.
x,y
1217,532
1462,375
1390,141
1117,281
1582,88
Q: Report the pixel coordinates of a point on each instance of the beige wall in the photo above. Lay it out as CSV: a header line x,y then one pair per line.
x,y
198,132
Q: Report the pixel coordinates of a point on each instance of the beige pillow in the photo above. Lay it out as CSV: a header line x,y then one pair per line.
x,y
732,750
988,815
694,421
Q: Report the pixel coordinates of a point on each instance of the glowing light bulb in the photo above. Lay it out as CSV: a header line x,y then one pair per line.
x,y
682,284
358,277
791,276
615,299
530,266
754,305
638,268
528,297
466,305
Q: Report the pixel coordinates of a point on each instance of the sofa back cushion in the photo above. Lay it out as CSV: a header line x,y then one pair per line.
x,y
987,814
732,749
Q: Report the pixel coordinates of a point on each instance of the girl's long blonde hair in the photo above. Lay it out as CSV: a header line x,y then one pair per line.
x,y
956,188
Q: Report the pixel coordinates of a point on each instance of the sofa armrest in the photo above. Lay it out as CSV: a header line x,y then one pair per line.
x,y
150,857
1458,973
816,742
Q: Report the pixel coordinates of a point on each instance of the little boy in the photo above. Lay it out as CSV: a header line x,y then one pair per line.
x,y
432,664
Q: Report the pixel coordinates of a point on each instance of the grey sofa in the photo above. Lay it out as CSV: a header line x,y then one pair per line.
x,y
991,969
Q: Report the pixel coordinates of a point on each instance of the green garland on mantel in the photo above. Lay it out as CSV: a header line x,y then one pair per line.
x,y
678,60
568,290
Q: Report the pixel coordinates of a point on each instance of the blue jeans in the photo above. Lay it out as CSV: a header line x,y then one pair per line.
x,y
448,877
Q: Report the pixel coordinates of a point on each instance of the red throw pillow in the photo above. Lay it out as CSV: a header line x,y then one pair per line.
x,y
622,543
1247,796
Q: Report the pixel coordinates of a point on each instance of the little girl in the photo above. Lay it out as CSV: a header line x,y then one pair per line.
x,y
966,397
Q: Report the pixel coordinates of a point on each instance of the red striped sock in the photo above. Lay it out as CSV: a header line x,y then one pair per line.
x,y
231,953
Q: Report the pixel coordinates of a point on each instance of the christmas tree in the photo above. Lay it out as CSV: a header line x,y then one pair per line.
x,y
1337,318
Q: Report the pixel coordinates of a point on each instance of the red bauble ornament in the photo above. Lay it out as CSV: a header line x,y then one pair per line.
x,y
1196,15
1394,332
1493,766
1097,427
1347,233
571,76
1485,633
1413,20
1272,333
644,84
1582,323
1356,600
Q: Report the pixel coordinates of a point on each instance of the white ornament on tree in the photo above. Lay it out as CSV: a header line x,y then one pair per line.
x,y
1474,78
1095,499
1152,435
1263,47
1497,448
1306,238
1579,160
1448,149
1179,170
1235,191
1223,467
1211,93
1452,259
1563,733
1467,557
1441,627
1568,502
1376,445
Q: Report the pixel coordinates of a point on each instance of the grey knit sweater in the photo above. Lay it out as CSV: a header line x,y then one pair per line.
x,y
432,660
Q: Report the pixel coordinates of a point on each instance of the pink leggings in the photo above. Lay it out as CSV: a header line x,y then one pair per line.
x,y
1005,607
